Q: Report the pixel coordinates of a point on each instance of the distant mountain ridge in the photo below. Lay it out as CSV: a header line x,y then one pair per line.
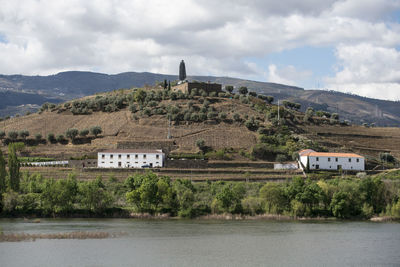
x,y
19,91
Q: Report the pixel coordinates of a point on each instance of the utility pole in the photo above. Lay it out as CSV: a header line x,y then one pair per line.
x,y
169,129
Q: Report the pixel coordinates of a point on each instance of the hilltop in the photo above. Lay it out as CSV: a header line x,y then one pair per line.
x,y
232,126
28,91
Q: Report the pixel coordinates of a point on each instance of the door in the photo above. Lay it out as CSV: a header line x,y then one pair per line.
x,y
339,167
151,165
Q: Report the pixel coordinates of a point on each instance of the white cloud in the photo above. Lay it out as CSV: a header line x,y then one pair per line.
x,y
214,37
288,75
368,70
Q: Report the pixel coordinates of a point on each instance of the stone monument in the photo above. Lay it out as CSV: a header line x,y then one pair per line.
x,y
182,71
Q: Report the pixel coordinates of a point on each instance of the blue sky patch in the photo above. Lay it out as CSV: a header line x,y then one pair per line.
x,y
319,60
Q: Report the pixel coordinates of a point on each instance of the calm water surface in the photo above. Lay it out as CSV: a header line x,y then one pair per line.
x,y
206,243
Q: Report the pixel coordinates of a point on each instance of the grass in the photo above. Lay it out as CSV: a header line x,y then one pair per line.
x,y
18,237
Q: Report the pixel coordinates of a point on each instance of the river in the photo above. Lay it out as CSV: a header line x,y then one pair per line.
x,y
204,243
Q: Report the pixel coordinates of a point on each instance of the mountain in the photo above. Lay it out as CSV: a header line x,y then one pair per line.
x,y
19,92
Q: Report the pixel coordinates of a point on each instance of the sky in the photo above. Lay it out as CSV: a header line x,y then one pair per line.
x,y
351,46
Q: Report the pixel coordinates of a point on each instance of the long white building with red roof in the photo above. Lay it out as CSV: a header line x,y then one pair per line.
x,y
331,161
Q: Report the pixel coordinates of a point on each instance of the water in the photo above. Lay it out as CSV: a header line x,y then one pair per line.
x,y
205,243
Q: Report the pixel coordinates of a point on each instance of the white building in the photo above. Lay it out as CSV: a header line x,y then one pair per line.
x,y
131,158
331,161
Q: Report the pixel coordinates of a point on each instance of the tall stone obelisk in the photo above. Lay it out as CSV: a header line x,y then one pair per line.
x,y
182,71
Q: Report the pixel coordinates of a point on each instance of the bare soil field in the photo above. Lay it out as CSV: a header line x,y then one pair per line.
x,y
366,141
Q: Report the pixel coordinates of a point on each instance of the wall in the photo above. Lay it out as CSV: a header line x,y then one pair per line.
x,y
135,160
324,164
189,86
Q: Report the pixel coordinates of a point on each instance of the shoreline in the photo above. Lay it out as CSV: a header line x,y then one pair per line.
x,y
218,217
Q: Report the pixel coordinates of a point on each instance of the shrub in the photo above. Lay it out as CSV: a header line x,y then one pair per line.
x,y
13,135
2,134
254,94
281,158
213,94
38,137
84,132
251,124
201,144
243,90
60,138
187,116
236,117
211,115
133,108
202,116
223,116
96,130
194,117
229,88
72,133
51,138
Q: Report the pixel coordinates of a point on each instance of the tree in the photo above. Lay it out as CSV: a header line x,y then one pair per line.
x,y
243,90
38,137
72,134
59,195
2,134
60,138
140,96
254,94
96,130
51,138
3,173
165,84
23,134
274,196
13,167
84,132
201,144
229,88
94,196
270,99
13,135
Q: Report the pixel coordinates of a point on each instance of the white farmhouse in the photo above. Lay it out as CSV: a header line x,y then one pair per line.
x,y
331,161
130,158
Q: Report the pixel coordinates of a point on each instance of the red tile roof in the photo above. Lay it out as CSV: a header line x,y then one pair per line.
x,y
310,152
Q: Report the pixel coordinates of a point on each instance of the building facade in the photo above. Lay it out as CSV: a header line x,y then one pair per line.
x,y
312,160
187,87
131,158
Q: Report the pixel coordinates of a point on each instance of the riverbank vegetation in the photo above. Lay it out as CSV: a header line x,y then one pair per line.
x,y
148,193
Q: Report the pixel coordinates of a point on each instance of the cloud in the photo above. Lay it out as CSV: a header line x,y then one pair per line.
x,y
288,75
369,70
214,37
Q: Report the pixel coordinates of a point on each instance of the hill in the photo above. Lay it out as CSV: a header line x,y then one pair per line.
x,y
233,127
74,84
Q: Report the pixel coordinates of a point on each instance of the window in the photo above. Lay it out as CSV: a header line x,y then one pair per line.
x,y
136,162
119,164
136,156
317,159
119,156
157,162
317,166
144,156
336,159
128,156
111,156
103,156
349,159
111,162
329,159
157,156
358,160
102,162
